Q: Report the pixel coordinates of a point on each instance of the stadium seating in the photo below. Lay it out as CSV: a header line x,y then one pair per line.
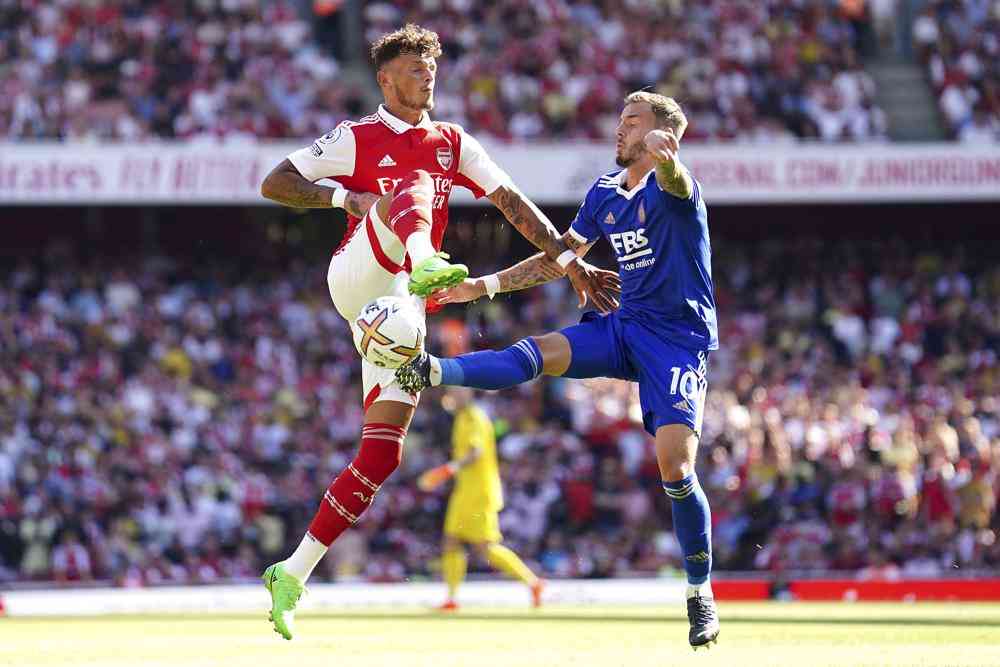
x,y
189,70
763,71
960,44
160,428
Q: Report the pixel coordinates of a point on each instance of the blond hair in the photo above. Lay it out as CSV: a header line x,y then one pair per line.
x,y
666,109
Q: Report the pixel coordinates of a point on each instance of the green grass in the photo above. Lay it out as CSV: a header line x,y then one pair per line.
x,y
799,634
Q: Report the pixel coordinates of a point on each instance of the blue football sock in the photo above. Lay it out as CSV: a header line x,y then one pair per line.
x,y
519,363
693,526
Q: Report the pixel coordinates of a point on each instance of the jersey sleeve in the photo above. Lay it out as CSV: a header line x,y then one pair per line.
x,y
330,156
584,226
479,168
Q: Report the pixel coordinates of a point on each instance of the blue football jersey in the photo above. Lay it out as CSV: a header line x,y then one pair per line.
x,y
664,256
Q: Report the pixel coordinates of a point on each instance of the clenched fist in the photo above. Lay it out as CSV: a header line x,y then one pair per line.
x,y
663,144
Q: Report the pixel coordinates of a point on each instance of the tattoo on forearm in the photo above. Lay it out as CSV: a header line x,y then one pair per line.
x,y
528,220
675,179
538,269
358,203
287,186
535,270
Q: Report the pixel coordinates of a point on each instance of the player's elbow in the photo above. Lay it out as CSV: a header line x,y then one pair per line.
x,y
275,184
269,188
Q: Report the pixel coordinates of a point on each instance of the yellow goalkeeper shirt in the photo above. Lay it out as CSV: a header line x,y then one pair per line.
x,y
477,485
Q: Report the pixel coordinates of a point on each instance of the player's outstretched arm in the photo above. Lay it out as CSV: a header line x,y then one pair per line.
x,y
435,477
535,270
529,220
287,186
536,227
539,269
672,176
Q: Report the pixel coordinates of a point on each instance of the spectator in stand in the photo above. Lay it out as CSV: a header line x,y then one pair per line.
x,y
129,71
527,71
959,42
239,70
70,561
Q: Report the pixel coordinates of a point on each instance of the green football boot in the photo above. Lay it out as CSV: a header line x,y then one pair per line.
x,y
285,592
436,273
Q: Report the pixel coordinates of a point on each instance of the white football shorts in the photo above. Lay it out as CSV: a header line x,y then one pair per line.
x,y
359,274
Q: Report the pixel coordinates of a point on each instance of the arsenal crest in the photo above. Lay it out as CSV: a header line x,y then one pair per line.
x,y
444,157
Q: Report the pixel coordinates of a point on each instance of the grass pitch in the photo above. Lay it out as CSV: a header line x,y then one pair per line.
x,y
799,634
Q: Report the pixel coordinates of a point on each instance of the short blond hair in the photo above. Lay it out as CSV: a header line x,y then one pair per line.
x,y
668,113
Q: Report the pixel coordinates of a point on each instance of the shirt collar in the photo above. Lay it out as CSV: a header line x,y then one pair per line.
x,y
638,186
399,125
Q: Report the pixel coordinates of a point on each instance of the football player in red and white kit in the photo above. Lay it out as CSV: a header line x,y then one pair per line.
x,y
395,170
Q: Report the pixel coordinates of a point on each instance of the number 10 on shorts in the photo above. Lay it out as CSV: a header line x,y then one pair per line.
x,y
692,386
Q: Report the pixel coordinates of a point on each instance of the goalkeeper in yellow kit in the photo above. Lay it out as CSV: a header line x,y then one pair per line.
x,y
473,515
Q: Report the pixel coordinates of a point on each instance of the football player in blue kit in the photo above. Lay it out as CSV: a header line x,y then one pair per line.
x,y
653,215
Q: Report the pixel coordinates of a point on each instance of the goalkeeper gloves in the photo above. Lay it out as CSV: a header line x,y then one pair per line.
x,y
435,477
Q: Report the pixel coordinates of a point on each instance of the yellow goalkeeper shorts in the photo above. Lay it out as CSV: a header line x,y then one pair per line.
x,y
472,525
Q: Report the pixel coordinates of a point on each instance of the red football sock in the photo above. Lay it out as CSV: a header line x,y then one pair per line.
x,y
354,489
410,210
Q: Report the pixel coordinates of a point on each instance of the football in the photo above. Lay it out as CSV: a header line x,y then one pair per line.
x,y
389,332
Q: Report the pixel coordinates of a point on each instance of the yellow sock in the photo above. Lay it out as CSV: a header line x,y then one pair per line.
x,y
453,566
507,562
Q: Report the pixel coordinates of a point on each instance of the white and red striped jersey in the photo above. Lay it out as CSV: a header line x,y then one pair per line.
x,y
376,152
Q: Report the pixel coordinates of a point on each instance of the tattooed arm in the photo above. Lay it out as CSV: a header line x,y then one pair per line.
x,y
671,175
536,270
527,219
287,186
524,215
674,178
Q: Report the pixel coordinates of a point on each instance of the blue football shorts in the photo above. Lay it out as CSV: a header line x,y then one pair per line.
x,y
672,379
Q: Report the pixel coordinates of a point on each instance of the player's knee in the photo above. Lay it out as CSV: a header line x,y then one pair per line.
x,y
416,180
672,471
676,450
411,201
555,350
379,458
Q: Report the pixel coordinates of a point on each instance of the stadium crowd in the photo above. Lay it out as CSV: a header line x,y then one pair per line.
x,y
762,71
132,70
166,421
242,70
960,44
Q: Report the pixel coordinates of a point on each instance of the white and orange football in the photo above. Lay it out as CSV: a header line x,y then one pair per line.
x,y
389,331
